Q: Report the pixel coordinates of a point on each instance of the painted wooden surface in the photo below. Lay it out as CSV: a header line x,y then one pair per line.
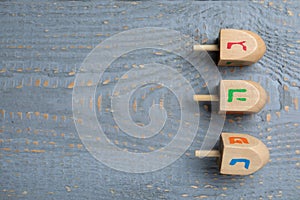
x,y
250,99
42,47
238,154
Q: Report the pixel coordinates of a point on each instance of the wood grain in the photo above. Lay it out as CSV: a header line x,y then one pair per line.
x,y
42,46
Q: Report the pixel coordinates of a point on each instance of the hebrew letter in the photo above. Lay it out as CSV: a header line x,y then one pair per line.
x,y
230,44
239,140
246,161
230,94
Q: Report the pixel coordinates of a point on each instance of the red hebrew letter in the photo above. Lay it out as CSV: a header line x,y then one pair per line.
x,y
230,44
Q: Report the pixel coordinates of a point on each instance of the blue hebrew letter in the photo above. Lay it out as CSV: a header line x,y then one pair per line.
x,y
236,160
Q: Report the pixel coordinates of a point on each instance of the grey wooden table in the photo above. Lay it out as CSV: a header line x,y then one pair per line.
x,y
42,47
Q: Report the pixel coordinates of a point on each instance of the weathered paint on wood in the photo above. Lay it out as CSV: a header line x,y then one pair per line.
x,y
42,47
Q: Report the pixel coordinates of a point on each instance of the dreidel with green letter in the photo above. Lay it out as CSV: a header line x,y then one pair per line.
x,y
237,47
238,96
238,154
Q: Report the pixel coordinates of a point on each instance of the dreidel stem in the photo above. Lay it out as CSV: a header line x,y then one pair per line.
x,y
207,47
203,97
207,153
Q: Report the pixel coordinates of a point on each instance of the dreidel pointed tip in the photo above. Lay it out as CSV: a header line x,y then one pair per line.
x,y
263,96
260,48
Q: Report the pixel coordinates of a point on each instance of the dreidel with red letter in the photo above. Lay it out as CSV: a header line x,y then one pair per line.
x,y
237,47
239,154
238,96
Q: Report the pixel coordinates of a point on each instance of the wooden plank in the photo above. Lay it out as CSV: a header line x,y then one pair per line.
x,y
42,46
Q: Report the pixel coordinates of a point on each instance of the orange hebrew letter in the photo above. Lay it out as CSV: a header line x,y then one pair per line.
x,y
239,140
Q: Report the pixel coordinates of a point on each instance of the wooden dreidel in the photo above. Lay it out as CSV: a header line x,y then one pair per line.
x,y
238,96
239,154
237,47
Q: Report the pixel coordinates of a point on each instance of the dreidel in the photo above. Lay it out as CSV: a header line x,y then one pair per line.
x,y
237,47
238,154
238,97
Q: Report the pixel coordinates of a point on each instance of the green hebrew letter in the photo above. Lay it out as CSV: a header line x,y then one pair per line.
x,y
230,94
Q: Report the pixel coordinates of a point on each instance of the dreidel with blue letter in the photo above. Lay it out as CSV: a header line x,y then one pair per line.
x,y
237,47
238,154
238,96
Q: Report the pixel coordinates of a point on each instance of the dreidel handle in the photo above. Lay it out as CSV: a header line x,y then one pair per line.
x,y
207,153
204,97
206,47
